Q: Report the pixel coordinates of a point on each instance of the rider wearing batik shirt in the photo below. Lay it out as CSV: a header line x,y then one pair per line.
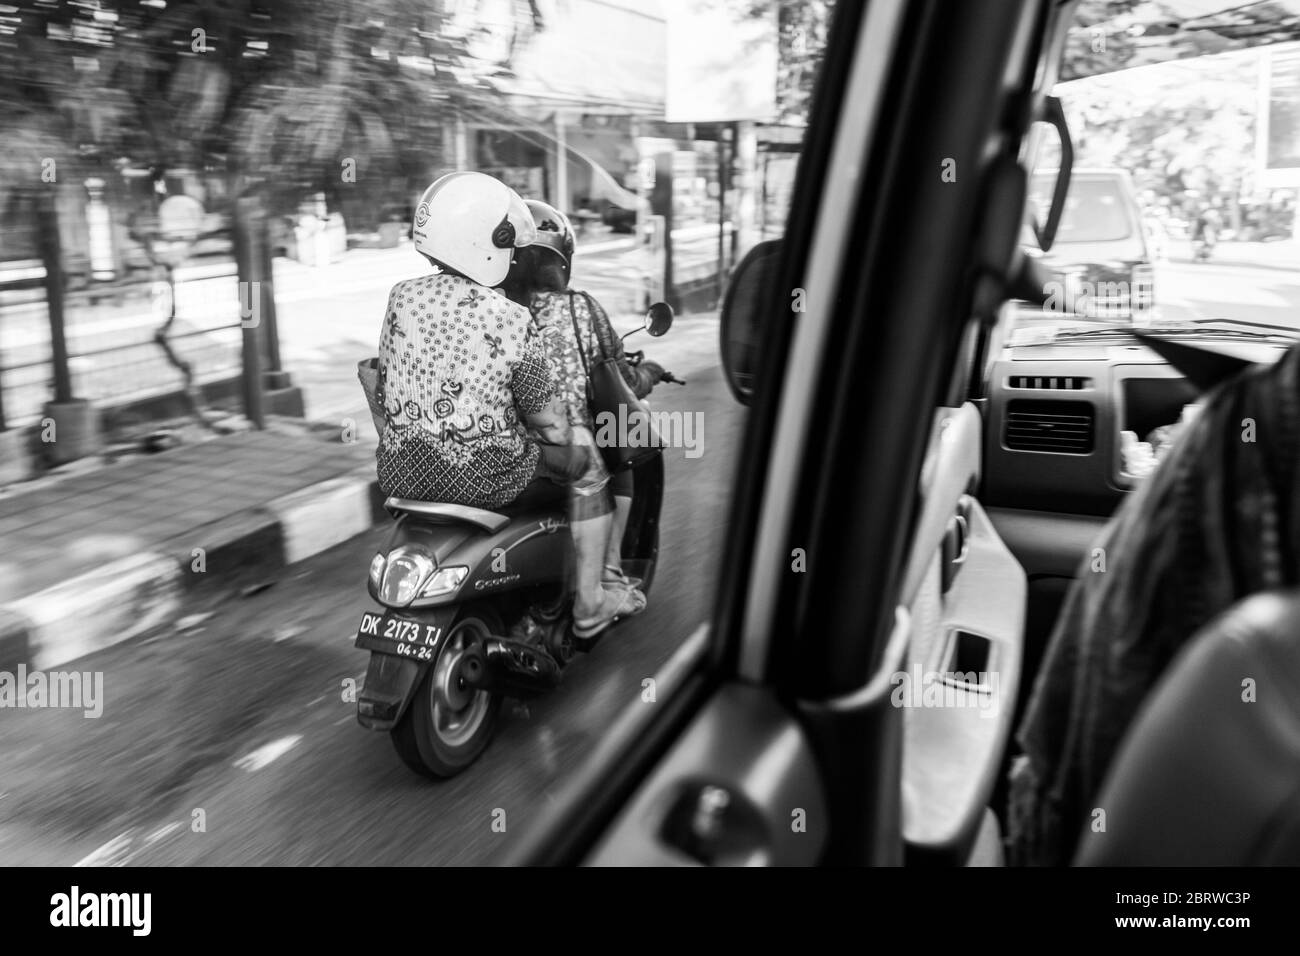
x,y
461,370
469,405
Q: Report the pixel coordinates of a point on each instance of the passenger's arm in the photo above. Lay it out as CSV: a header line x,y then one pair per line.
x,y
537,398
551,423
640,378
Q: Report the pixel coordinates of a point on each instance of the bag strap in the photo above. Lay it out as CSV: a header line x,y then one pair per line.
x,y
577,335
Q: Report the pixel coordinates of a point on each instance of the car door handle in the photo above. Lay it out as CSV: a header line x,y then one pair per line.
x,y
956,548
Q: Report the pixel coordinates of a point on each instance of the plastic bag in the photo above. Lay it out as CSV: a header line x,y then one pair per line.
x,y
372,385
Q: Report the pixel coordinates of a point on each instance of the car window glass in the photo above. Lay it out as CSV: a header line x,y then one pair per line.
x,y
211,215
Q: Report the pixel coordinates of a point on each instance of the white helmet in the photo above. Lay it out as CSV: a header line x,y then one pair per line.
x,y
471,223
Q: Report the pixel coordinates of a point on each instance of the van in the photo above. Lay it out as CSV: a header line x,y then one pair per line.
x,y
1102,254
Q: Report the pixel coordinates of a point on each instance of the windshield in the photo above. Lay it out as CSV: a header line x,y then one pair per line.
x,y
1181,212
1094,210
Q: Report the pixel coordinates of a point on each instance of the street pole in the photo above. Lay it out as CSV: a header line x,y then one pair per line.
x,y
261,239
248,265
724,135
661,204
561,165
52,260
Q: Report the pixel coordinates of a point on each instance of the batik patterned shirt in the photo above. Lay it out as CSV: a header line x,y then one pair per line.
x,y
459,367
560,317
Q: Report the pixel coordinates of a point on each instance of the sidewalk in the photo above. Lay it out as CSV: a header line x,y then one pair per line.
x,y
99,557
1283,254
208,300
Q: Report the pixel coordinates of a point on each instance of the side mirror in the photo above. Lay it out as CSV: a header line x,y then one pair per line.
x,y
749,294
1050,160
659,319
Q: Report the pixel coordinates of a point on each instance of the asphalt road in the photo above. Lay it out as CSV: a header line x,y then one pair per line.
x,y
1242,282
225,738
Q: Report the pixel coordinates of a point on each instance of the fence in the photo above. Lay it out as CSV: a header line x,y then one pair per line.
x,y
112,356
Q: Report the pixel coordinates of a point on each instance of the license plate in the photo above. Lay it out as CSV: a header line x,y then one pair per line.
x,y
396,635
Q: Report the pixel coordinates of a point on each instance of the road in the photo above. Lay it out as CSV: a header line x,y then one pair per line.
x,y
1252,282
1249,281
225,739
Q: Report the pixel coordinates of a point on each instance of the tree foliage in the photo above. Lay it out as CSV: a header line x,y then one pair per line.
x,y
802,29
276,94
1111,35
1175,127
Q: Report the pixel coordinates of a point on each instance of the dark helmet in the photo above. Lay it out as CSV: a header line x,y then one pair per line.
x,y
553,232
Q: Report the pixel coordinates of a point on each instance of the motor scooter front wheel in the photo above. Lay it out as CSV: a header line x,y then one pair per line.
x,y
449,723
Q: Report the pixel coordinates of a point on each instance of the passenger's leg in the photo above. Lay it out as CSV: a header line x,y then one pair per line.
x,y
589,537
590,516
621,484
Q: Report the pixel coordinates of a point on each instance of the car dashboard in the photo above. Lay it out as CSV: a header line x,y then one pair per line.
x,y
1053,463
1056,414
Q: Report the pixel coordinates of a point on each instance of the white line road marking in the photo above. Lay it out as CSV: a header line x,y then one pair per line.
x,y
288,632
125,847
267,753
343,720
113,853
160,833
317,700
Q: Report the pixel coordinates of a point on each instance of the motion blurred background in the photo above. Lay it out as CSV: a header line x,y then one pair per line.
x,y
298,135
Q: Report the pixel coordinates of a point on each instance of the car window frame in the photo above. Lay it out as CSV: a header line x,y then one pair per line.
x,y
591,797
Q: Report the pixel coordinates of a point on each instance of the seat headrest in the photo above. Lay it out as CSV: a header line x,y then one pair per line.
x,y
1209,772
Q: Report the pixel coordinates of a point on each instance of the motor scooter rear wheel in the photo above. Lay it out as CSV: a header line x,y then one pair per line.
x,y
449,723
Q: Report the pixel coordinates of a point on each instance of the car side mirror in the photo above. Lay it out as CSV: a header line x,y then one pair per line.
x,y
749,294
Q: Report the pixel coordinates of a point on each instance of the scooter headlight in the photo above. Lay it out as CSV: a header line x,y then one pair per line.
x,y
376,571
444,581
406,570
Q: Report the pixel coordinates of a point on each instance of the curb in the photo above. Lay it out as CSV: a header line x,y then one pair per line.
x,y
126,597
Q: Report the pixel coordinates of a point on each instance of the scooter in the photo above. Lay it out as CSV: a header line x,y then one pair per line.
x,y
476,607
1203,245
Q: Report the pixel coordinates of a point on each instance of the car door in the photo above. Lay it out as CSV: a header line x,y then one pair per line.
x,y
857,547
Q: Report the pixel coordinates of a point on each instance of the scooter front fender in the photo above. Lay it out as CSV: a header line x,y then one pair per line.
x,y
390,684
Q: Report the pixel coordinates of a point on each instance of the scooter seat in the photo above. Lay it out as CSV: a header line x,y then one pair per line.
x,y
488,521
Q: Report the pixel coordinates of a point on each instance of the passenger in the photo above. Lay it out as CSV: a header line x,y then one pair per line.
x,y
1217,521
462,372
561,314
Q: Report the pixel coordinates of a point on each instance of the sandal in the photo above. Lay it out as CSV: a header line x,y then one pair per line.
x,y
614,575
618,603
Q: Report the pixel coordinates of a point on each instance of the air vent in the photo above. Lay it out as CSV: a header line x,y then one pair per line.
x,y
1061,427
1071,383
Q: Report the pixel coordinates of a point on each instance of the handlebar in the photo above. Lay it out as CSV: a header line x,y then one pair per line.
x,y
637,357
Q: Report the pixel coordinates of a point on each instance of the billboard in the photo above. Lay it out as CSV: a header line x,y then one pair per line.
x,y
1277,147
722,63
